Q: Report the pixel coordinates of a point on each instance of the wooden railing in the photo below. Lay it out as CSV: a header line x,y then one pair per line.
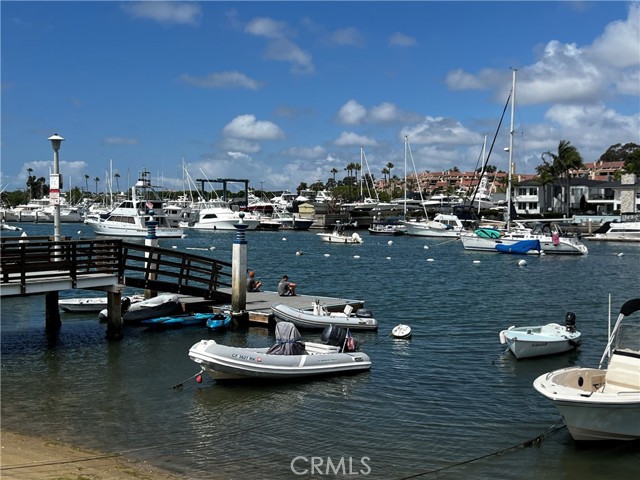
x,y
24,259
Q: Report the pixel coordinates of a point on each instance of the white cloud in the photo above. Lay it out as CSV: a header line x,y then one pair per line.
x,y
248,127
120,141
619,45
306,152
352,113
401,40
347,37
385,112
241,144
231,79
266,27
354,140
441,131
182,13
283,49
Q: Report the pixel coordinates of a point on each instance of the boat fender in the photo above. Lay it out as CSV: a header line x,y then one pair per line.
x,y
503,338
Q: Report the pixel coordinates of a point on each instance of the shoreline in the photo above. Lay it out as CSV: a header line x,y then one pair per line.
x,y
26,457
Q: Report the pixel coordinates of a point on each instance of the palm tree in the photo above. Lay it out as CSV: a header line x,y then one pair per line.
x,y
96,180
384,173
86,183
117,177
566,159
545,177
334,170
389,168
357,167
29,181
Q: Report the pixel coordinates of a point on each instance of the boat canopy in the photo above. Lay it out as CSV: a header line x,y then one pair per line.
x,y
288,340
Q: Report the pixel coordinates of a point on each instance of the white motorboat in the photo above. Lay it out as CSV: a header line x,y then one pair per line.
x,y
597,403
130,217
318,317
93,304
549,339
289,358
159,306
442,225
401,331
618,231
218,215
339,236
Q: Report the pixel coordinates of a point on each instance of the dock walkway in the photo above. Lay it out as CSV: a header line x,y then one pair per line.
x,y
259,304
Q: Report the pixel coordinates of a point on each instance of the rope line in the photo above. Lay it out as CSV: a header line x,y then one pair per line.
x,y
528,443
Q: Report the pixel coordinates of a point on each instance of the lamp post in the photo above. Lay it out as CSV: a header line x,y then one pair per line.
x,y
55,184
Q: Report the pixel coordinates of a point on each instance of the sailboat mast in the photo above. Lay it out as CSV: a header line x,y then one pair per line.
x,y
406,145
513,108
361,173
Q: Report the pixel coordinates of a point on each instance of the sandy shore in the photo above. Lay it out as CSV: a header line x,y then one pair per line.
x,y
29,458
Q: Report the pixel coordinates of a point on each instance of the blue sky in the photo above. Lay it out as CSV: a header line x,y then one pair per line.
x,y
282,92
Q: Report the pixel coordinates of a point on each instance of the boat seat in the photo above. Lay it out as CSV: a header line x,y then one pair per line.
x,y
623,373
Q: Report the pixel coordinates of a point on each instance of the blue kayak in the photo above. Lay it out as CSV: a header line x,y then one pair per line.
x,y
177,321
219,321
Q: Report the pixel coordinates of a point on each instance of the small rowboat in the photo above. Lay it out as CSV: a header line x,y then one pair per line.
x,y
536,341
401,331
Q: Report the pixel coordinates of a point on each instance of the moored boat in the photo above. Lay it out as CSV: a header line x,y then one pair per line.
x,y
159,306
536,341
289,358
183,320
339,236
602,403
618,231
318,317
93,304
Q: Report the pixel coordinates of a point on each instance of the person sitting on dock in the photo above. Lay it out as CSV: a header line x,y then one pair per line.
x,y
253,285
286,288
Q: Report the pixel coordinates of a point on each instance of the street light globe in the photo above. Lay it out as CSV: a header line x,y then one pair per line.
x,y
55,140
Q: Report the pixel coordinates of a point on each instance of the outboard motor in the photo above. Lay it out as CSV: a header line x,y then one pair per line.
x,y
125,303
333,335
364,313
570,322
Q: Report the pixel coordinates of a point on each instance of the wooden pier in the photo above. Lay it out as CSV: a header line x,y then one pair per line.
x,y
39,265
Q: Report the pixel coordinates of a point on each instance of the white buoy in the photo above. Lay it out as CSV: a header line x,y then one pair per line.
x,y
79,232
356,256
212,248
426,247
327,255
620,254
476,261
522,263
390,242
298,253
388,258
430,260
401,331
174,246
284,239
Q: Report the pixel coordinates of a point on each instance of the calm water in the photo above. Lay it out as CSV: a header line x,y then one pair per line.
x,y
447,396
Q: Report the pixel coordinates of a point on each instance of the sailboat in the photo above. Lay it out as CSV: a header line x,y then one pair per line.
x,y
547,239
443,225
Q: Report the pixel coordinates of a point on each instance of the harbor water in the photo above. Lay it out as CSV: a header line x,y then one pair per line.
x,y
447,403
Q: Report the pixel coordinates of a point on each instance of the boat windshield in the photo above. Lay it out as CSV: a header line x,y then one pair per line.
x,y
628,338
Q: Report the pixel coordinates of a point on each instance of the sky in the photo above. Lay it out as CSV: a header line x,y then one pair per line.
x,y
281,93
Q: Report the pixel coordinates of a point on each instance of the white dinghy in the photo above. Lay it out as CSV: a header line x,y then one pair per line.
x,y
319,317
93,304
289,358
159,306
549,339
597,403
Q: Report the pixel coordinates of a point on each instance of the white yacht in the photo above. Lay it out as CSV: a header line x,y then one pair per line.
x,y
129,218
619,231
442,225
218,215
